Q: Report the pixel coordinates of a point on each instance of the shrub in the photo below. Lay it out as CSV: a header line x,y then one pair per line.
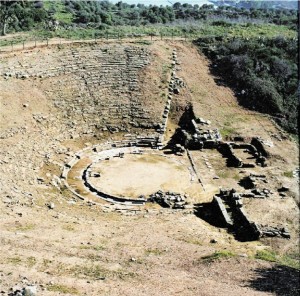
x,y
266,68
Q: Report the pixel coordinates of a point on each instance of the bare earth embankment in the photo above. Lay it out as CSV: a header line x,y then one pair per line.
x,y
56,101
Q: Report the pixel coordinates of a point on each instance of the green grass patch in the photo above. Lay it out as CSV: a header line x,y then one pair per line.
x,y
290,260
62,289
143,42
92,271
96,272
295,138
288,174
227,131
69,227
266,255
13,41
31,261
14,260
64,17
226,174
46,263
192,241
60,13
236,177
248,31
90,247
93,257
224,254
25,227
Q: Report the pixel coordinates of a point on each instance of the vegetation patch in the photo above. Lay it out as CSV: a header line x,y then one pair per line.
x,y
98,272
192,241
288,174
58,11
266,255
14,260
226,174
290,260
143,42
224,254
69,227
91,247
62,289
262,70
155,251
25,227
227,131
46,264
31,261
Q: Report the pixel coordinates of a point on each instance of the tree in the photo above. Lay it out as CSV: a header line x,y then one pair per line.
x,y
281,69
106,18
82,17
176,5
7,14
20,14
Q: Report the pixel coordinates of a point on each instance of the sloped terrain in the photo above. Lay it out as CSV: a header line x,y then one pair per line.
x,y
59,100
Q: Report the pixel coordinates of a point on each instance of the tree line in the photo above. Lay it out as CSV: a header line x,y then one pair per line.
x,y
26,15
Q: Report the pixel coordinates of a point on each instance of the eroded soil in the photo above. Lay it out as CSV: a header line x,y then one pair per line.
x,y
82,248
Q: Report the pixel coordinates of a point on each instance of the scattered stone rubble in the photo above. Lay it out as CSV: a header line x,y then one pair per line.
x,y
271,231
253,181
178,149
258,193
27,291
200,136
296,174
175,84
256,184
170,200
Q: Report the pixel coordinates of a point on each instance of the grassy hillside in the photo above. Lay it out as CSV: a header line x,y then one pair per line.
x,y
58,11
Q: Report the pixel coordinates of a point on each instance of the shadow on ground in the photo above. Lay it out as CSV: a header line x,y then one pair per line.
x,y
206,212
280,280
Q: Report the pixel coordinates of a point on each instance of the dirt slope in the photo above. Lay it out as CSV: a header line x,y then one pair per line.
x,y
77,248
